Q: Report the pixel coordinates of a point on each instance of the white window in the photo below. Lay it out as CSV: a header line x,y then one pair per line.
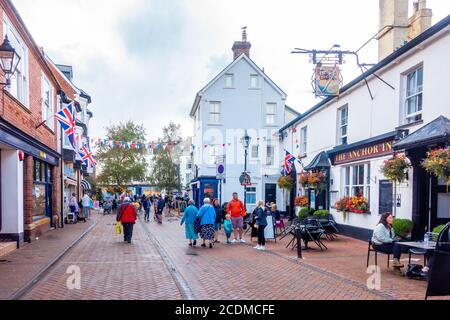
x,y
213,153
19,82
255,152
254,81
303,140
414,95
229,81
342,124
214,112
357,180
251,196
47,102
188,166
271,114
270,155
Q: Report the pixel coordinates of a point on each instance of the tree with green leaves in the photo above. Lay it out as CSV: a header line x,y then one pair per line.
x,y
166,172
122,165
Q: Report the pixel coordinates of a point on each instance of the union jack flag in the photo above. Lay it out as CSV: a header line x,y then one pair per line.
x,y
66,118
289,160
87,157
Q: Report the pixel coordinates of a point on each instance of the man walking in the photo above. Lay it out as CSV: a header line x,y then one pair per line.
x,y
86,205
237,212
160,208
126,214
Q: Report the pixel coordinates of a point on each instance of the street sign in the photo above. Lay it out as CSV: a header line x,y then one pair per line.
x,y
245,180
220,168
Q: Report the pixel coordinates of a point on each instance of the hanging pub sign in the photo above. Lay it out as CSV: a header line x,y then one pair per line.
x,y
245,180
374,150
327,80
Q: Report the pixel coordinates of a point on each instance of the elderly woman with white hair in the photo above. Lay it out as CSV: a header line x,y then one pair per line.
x,y
208,217
189,216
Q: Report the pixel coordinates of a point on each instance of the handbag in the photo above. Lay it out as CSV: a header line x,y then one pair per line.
x,y
197,226
118,228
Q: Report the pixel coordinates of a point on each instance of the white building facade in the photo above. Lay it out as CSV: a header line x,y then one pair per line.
x,y
242,98
358,133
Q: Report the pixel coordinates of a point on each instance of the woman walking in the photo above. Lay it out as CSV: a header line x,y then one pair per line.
x,y
261,223
189,216
208,217
127,216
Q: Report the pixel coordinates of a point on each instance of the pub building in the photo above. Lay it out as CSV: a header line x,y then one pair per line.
x,y
29,157
349,136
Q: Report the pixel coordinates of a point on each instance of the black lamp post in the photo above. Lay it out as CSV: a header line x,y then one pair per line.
x,y
246,143
9,60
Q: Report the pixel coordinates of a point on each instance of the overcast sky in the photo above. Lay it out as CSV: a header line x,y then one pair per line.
x,y
145,60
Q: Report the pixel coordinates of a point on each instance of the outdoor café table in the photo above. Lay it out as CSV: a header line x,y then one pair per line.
x,y
430,246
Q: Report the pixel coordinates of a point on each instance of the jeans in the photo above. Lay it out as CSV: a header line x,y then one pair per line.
x,y
127,231
147,214
391,248
86,212
261,239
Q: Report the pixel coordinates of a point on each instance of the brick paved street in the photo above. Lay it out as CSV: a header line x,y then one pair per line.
x,y
111,269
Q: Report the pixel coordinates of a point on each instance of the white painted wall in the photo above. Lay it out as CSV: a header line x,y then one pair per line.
x,y
12,192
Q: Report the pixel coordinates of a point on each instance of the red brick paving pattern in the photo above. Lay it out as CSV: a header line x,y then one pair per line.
x,y
110,269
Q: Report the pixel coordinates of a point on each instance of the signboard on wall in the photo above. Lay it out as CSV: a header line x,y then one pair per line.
x,y
370,151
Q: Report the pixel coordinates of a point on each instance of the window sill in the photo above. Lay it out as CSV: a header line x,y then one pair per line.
x,y
229,88
411,124
271,126
254,88
215,124
17,101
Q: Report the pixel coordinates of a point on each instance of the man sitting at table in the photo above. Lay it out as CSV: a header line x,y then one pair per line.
x,y
383,240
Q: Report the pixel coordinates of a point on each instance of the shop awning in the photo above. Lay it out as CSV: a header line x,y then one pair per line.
x,y
321,161
86,185
437,131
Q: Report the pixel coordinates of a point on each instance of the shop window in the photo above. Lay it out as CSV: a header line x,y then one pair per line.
x,y
414,95
42,190
357,180
251,196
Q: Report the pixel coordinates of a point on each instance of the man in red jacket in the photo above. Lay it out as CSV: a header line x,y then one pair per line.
x,y
236,210
126,214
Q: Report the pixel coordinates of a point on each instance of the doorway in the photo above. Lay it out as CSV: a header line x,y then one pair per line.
x,y
270,194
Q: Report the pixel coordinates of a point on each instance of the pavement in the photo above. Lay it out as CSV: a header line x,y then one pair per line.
x,y
160,265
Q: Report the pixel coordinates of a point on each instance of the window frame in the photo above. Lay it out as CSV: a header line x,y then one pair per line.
x,y
20,79
47,108
303,140
255,76
214,112
213,156
342,139
270,114
348,179
229,76
272,155
252,149
416,95
251,190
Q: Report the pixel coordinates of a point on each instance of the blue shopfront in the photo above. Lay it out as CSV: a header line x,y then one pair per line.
x,y
204,187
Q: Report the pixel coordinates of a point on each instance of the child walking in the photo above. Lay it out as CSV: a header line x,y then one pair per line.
x,y
228,227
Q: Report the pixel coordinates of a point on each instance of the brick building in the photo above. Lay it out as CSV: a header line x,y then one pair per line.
x,y
29,157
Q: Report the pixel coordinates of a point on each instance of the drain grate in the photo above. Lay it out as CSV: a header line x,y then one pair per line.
x,y
5,261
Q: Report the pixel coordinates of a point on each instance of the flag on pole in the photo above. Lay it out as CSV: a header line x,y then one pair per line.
x,y
87,157
289,160
66,118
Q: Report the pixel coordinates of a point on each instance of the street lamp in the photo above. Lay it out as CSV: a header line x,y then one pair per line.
x,y
246,143
9,59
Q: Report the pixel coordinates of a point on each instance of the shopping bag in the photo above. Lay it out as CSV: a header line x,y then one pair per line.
x,y
118,228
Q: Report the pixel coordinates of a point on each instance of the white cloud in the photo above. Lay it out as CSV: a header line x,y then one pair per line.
x,y
145,60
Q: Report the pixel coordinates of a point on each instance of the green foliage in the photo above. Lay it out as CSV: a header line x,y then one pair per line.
x,y
304,212
166,170
437,231
402,227
321,213
396,168
122,166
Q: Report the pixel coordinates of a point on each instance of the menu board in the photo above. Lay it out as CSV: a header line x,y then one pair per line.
x,y
385,199
269,231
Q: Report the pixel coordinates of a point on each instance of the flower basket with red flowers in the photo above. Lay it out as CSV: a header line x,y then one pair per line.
x,y
313,180
356,204
438,163
396,168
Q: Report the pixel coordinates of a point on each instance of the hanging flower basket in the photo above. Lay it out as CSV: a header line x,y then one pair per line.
x,y
396,168
286,183
313,180
438,163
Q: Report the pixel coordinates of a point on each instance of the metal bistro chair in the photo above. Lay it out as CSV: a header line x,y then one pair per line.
x,y
329,226
372,249
439,281
313,232
291,230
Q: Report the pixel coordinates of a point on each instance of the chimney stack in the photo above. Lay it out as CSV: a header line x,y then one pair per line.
x,y
421,19
240,47
393,26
